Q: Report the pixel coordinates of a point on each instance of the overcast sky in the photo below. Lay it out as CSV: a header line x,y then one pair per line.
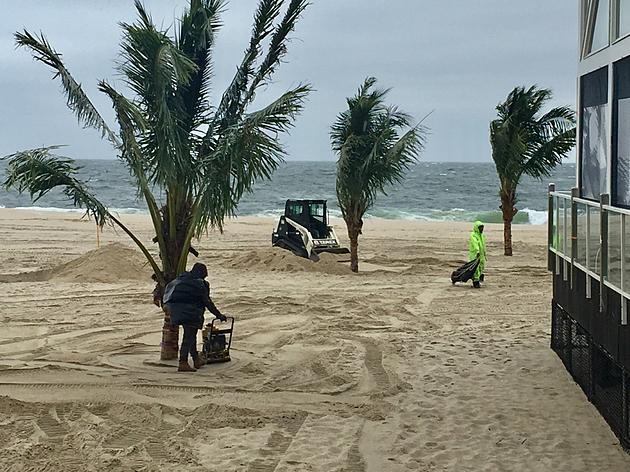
x,y
457,57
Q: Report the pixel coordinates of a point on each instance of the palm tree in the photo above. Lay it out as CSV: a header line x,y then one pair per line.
x,y
524,142
191,160
371,155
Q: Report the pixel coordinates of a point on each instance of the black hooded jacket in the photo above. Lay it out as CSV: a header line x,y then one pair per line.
x,y
186,298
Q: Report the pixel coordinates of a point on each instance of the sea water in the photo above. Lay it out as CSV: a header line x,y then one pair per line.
x,y
430,191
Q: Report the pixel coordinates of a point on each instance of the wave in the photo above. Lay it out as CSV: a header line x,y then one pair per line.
x,y
525,216
130,211
536,217
52,209
126,211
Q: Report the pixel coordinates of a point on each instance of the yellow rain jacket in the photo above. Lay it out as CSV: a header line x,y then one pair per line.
x,y
477,247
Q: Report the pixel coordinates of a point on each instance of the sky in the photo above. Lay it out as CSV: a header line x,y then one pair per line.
x,y
455,58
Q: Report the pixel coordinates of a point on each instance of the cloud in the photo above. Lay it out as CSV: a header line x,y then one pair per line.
x,y
459,57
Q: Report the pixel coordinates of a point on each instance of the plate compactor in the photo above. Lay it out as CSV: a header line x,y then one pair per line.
x,y
217,340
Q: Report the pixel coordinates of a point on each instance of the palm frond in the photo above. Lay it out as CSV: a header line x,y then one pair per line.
x,y
38,171
154,68
542,160
77,100
277,48
132,122
198,28
232,100
246,153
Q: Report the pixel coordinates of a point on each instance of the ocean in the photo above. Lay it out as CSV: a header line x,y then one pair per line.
x,y
432,191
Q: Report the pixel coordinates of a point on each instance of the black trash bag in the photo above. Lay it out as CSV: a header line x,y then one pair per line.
x,y
465,272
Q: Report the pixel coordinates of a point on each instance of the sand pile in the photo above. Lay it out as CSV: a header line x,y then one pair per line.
x,y
275,259
109,264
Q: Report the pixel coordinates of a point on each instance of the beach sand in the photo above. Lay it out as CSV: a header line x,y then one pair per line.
x,y
392,369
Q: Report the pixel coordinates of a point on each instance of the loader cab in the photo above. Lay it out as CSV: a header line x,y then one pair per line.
x,y
312,214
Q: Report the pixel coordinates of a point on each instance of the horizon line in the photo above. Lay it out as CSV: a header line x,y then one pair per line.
x,y
420,161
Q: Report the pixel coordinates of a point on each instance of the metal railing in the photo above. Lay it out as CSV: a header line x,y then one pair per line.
x,y
590,236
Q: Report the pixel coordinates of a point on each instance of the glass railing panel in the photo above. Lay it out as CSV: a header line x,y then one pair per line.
x,y
554,224
560,224
593,236
580,257
568,242
614,249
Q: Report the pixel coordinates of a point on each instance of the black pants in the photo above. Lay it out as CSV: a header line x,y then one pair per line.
x,y
189,344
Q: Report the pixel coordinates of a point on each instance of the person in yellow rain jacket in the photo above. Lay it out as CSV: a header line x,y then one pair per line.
x,y
477,248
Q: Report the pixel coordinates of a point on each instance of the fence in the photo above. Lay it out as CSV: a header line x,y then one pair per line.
x,y
592,237
604,382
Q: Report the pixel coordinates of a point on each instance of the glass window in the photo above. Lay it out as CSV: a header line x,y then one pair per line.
x,y
317,211
295,209
621,134
600,36
594,139
585,26
623,18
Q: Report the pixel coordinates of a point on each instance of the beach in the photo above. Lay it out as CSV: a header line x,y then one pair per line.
x,y
391,369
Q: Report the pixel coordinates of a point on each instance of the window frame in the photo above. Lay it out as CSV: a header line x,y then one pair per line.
x,y
590,8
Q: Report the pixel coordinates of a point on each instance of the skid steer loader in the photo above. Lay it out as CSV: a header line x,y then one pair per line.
x,y
304,230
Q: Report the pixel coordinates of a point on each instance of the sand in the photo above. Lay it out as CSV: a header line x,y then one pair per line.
x,y
392,369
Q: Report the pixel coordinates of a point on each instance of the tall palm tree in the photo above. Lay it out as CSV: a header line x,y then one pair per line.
x,y
372,154
192,160
527,142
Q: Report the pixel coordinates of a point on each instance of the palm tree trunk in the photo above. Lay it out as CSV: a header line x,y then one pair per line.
x,y
170,333
354,251
170,261
507,236
354,230
170,339
508,210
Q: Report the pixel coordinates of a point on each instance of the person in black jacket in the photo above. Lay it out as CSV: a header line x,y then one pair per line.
x,y
185,300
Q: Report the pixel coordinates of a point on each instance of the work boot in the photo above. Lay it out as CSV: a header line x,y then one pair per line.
x,y
185,367
198,362
476,284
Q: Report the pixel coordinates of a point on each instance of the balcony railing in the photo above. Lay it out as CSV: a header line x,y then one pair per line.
x,y
592,237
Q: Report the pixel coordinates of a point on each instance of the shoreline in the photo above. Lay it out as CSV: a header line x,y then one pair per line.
x,y
275,214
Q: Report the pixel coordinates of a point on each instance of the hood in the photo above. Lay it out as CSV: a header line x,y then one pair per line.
x,y
476,226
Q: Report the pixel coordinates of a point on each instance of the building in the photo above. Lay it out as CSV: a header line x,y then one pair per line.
x,y
589,226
